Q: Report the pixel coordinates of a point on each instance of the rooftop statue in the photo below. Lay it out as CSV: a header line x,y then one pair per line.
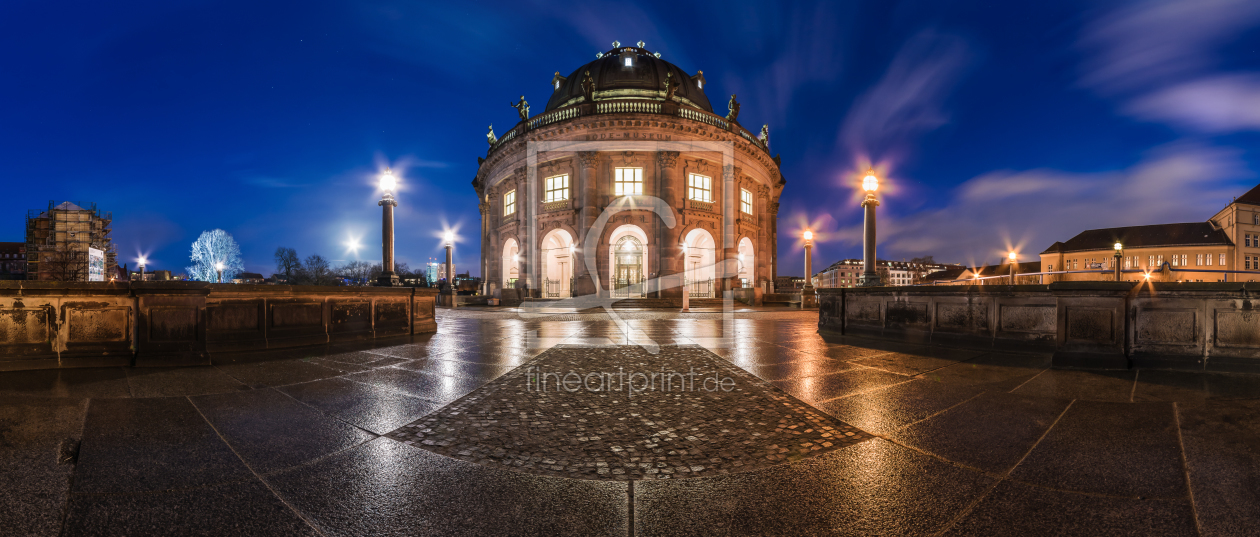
x,y
490,137
733,106
764,137
522,108
671,86
588,88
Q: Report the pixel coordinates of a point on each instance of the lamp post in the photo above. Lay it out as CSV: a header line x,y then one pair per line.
x,y
1119,253
686,291
870,278
449,238
218,267
142,262
1013,257
809,299
388,183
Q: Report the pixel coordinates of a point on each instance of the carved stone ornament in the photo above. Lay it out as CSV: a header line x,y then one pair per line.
x,y
671,86
522,108
732,109
491,137
588,159
588,88
627,158
667,159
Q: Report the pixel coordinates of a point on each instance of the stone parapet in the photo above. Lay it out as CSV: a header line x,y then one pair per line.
x,y
71,324
1095,325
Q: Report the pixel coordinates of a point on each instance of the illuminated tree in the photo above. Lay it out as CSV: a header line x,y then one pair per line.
x,y
213,248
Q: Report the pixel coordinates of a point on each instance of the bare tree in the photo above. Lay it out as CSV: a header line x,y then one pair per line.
x,y
63,264
287,263
358,272
317,270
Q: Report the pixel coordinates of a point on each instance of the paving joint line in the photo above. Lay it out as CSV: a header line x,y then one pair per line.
x,y
1185,468
251,469
1030,379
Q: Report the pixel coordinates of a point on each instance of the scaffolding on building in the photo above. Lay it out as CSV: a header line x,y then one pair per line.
x,y
58,239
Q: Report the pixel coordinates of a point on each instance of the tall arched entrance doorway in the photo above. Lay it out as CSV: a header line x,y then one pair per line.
x,y
511,263
557,258
627,274
699,263
747,263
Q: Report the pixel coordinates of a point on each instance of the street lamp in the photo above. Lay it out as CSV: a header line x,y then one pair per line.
x,y
218,267
870,184
809,299
388,185
1119,253
142,262
449,238
1013,257
686,291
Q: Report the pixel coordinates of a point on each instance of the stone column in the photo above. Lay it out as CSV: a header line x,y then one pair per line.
x,y
669,260
588,192
728,245
387,277
870,277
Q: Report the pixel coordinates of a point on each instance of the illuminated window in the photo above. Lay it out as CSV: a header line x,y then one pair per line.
x,y
745,201
1159,260
557,84
1209,260
1198,260
700,187
629,182
1222,263
629,62
509,203
557,188
699,84
1150,261
1184,261
1174,260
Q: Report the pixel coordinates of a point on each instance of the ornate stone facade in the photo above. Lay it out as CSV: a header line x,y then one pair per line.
x,y
628,195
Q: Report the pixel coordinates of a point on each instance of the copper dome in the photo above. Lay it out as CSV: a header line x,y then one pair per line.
x,y
644,78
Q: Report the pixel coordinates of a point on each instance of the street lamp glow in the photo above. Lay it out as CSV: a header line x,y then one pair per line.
x,y
870,183
1119,247
218,266
1012,256
142,261
809,235
449,237
388,182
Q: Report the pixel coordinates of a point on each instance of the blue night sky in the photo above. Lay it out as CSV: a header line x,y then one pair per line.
x,y
994,124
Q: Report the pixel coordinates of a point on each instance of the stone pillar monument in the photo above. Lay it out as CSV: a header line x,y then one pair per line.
x,y
588,190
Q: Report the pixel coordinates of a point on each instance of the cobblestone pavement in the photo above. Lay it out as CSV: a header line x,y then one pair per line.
x,y
623,413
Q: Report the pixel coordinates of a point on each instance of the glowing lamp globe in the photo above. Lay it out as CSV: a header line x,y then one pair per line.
x,y
143,261
218,266
449,237
1119,247
809,235
388,182
1012,256
870,183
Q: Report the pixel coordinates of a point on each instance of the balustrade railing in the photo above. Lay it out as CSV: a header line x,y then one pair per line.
x,y
625,106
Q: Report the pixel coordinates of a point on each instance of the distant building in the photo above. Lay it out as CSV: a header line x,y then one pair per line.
x,y
465,284
248,277
437,271
1025,274
68,242
12,261
846,272
785,284
1230,240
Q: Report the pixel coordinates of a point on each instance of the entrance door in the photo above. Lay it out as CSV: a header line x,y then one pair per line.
x,y
628,271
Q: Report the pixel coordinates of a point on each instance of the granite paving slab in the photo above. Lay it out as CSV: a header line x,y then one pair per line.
x,y
698,416
376,409
34,478
239,508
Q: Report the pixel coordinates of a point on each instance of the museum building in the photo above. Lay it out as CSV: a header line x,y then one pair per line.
x,y
628,185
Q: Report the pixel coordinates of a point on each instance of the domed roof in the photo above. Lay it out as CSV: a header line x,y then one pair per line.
x,y
644,77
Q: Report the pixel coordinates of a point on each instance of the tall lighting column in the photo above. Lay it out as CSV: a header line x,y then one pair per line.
x,y
450,267
1119,254
870,278
1014,258
809,298
142,261
218,267
387,203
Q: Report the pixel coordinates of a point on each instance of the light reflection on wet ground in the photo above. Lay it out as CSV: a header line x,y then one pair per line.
x,y
970,441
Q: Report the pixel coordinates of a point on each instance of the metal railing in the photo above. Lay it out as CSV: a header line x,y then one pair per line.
x,y
1041,275
624,288
556,288
700,289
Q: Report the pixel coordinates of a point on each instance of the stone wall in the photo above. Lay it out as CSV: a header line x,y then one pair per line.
x,y
1099,325
60,324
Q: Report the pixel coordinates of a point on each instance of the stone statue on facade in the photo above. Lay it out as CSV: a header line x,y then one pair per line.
x,y
588,88
764,137
522,108
490,137
671,86
733,107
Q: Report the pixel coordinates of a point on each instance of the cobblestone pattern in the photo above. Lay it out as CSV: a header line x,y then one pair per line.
x,y
687,431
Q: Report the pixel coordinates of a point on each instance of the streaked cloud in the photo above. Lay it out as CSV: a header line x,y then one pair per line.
x,y
1162,59
909,100
1031,209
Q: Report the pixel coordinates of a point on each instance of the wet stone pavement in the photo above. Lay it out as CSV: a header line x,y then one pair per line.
x,y
626,413
332,440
